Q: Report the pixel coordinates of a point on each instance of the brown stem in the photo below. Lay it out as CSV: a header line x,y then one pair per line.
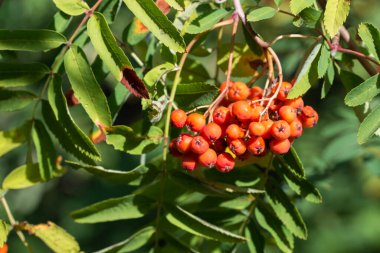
x,y
292,36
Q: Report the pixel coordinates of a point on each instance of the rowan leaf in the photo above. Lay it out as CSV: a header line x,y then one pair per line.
x,y
294,162
369,126
206,21
110,9
195,88
113,56
255,240
30,40
86,88
72,7
364,92
127,207
61,22
21,74
371,38
296,6
261,13
5,228
11,139
157,23
323,61
135,32
336,13
12,100
197,226
329,80
179,5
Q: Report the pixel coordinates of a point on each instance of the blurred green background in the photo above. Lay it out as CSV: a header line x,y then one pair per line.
x,y
348,175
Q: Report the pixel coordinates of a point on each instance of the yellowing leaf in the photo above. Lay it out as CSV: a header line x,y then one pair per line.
x,y
336,13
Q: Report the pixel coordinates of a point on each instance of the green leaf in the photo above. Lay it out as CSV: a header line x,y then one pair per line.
x,y
278,2
110,9
125,139
45,150
154,75
113,56
179,5
13,138
296,6
61,22
336,13
206,21
297,183
55,237
134,242
194,88
195,225
261,14
85,86
117,99
135,32
294,162
57,117
21,74
369,126
329,80
12,100
115,176
72,7
268,220
309,18
323,61
285,210
371,37
307,75
25,176
4,231
157,23
364,92
30,40
255,241
127,207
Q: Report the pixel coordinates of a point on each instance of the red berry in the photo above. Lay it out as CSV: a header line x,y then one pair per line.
x,y
279,146
238,91
178,118
309,117
225,162
195,122
173,148
4,248
199,145
238,147
256,145
221,115
296,129
268,126
211,132
287,113
280,130
256,113
242,110
284,90
208,158
183,143
296,103
189,162
256,129
234,132
256,92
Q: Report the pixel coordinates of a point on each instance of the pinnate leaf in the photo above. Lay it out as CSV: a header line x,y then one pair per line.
x,y
371,37
255,240
13,138
176,4
127,207
157,23
197,226
21,74
261,14
4,231
30,40
113,56
12,100
72,7
206,21
336,13
85,86
296,6
369,126
364,92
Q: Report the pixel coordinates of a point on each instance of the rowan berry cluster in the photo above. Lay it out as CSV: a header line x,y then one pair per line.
x,y
242,125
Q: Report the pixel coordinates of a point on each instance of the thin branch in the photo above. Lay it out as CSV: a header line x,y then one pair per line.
x,y
287,13
292,36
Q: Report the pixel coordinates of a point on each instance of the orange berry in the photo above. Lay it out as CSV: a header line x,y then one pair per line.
x,y
183,143
280,130
242,110
211,132
178,118
256,92
199,145
256,145
238,147
268,126
208,158
238,91
225,162
279,146
256,129
173,148
189,162
296,129
309,117
223,86
195,122
234,132
284,90
221,115
275,105
4,248
296,103
256,112
287,113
